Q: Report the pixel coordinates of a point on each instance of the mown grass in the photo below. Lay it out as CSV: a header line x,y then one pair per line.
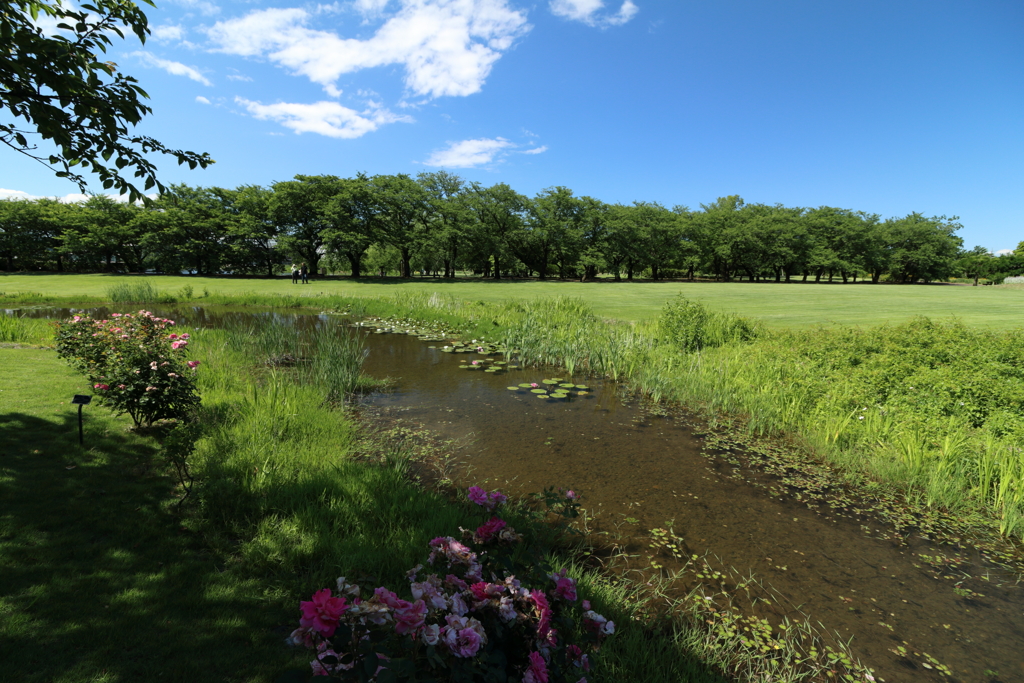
x,y
783,306
98,579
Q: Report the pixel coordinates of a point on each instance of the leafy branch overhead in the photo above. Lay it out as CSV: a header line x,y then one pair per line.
x,y
59,88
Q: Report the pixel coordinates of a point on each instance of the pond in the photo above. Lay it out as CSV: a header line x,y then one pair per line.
x,y
638,471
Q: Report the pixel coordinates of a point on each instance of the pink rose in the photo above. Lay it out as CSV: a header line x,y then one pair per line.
x,y
101,387
491,527
409,616
322,612
538,671
431,634
477,495
193,364
565,588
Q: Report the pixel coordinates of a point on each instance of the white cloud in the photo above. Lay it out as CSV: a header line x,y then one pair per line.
x,y
239,77
1004,252
587,11
202,100
168,34
202,6
325,118
15,194
536,150
174,68
447,47
370,8
72,198
469,153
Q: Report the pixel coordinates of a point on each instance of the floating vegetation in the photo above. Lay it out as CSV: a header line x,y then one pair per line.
x,y
551,388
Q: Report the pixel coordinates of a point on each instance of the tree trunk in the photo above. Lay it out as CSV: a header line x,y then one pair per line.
x,y
844,276
497,267
406,262
355,261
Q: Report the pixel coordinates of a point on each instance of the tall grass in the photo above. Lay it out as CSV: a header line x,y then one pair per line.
x,y
137,292
18,329
933,408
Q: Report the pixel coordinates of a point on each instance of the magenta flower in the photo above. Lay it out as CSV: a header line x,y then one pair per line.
x,y
534,385
322,612
571,495
193,364
101,387
477,495
538,671
489,529
565,587
540,601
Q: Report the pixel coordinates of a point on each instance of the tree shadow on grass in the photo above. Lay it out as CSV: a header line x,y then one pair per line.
x,y
99,580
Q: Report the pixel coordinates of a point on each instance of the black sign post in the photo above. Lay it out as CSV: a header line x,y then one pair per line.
x,y
80,400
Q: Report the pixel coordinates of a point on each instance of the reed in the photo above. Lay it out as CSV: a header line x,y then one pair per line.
x,y
916,406
17,329
134,292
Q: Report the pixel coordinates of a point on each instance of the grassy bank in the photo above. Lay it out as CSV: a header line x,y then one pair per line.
x,y
932,410
783,306
105,578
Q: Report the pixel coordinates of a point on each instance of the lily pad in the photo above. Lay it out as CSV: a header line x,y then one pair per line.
x,y
583,393
512,388
525,385
582,386
465,366
556,379
567,386
543,396
539,391
549,381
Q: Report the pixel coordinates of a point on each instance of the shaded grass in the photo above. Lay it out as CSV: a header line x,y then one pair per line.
x,y
791,306
98,582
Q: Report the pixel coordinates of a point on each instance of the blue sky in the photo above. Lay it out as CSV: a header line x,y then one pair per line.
x,y
886,107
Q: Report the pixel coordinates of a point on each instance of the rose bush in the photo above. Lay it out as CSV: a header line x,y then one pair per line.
x,y
486,609
135,362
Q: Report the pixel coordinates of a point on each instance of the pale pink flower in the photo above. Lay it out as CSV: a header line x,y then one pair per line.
x,y
571,495
409,616
431,634
101,387
192,364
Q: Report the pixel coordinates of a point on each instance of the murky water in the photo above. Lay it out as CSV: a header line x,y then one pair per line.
x,y
631,465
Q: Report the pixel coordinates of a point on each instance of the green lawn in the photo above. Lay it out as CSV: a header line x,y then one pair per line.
x,y
792,305
98,580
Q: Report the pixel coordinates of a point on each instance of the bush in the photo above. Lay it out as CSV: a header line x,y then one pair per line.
x,y
689,326
141,292
136,365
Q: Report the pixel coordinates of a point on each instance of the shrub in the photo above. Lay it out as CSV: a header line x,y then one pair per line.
x,y
496,614
690,326
136,365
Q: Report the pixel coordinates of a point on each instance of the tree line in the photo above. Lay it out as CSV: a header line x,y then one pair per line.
x,y
439,224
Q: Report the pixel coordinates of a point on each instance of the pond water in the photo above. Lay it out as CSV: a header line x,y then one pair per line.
x,y
638,471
